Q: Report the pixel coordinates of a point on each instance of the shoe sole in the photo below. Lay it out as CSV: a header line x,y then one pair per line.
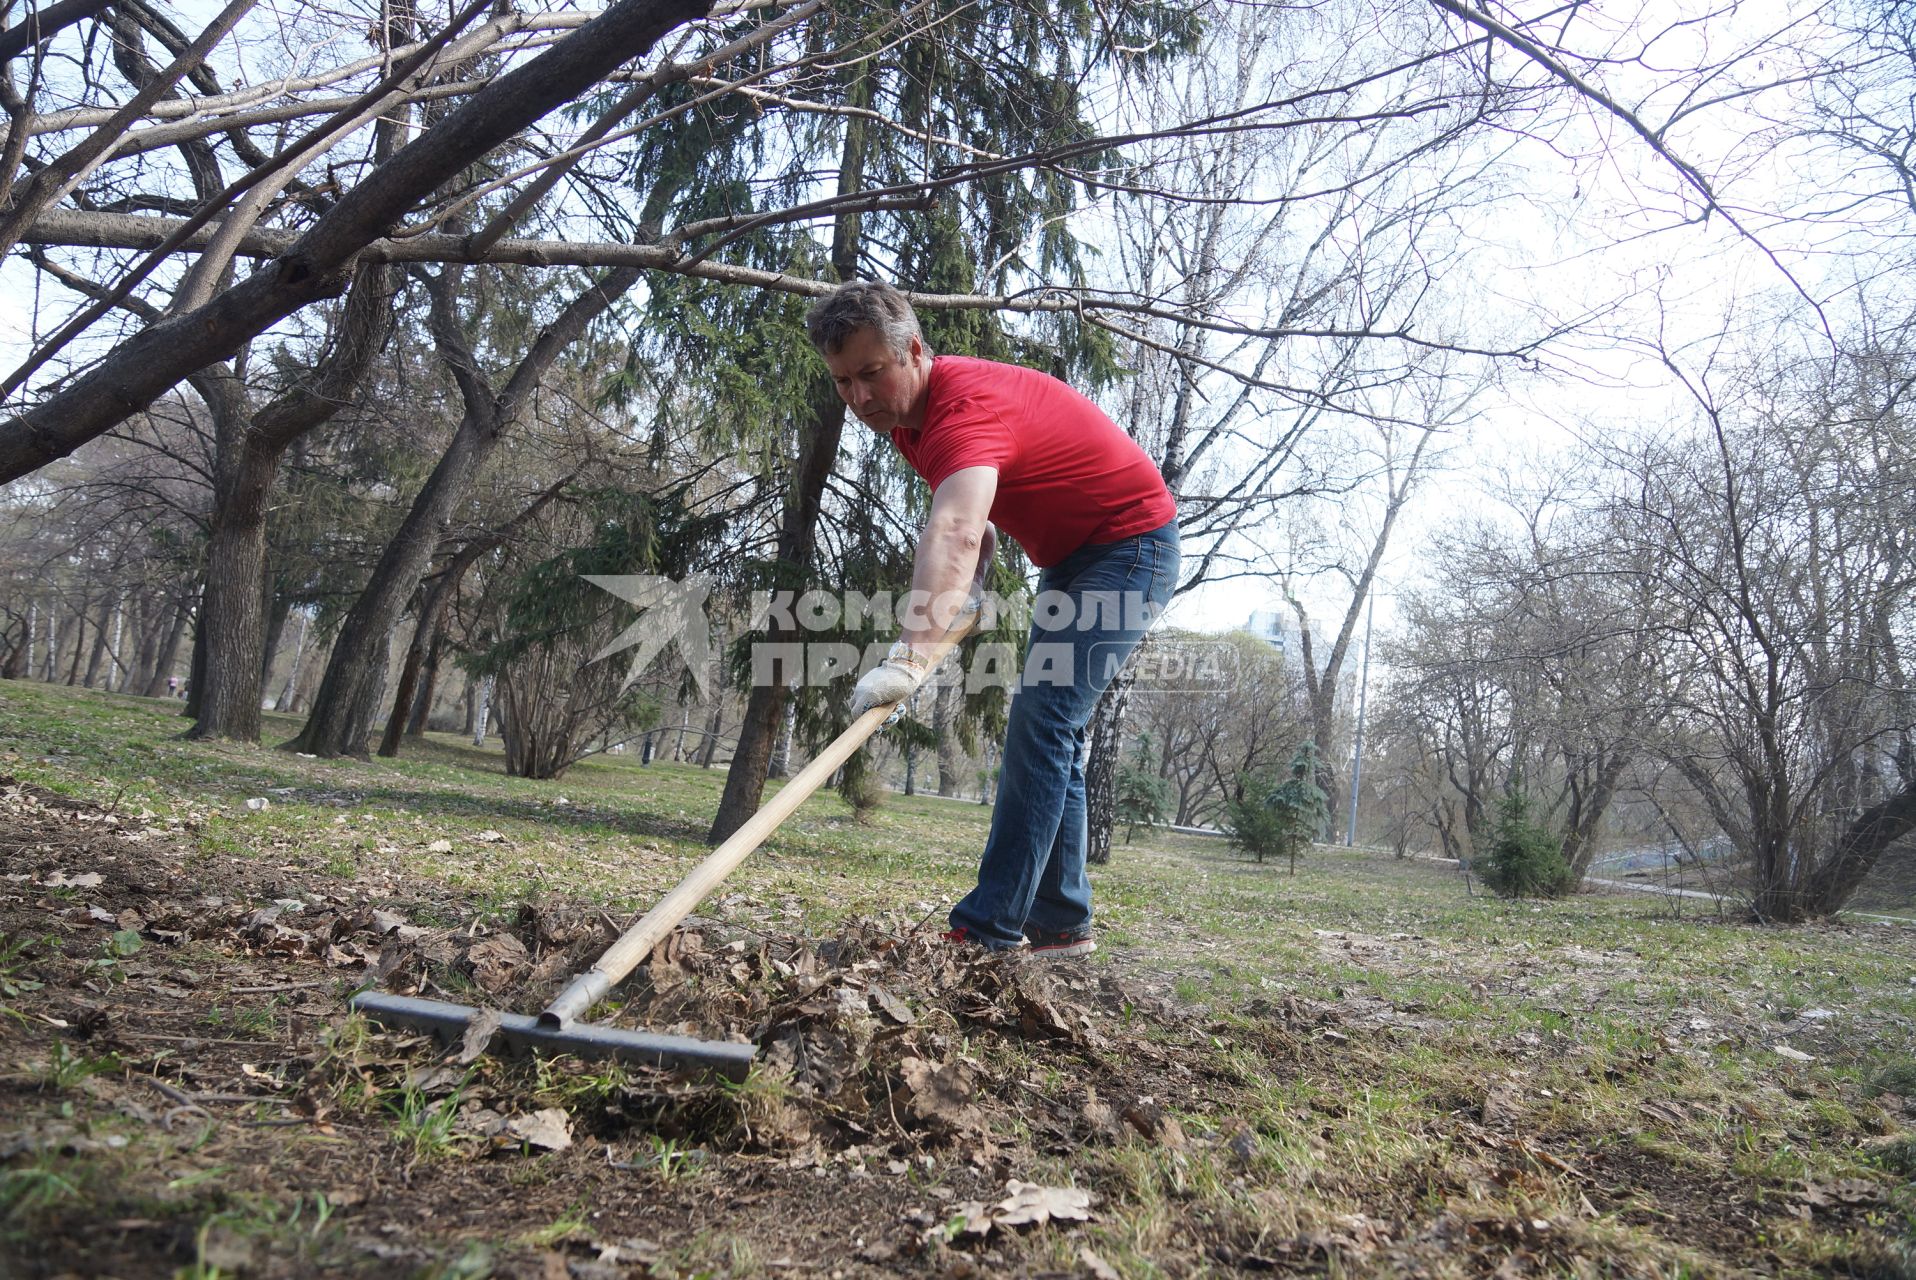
x,y
1079,947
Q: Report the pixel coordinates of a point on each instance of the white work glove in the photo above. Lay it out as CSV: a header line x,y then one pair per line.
x,y
905,668
893,680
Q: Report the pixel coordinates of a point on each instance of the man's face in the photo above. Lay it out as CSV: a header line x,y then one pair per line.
x,y
883,388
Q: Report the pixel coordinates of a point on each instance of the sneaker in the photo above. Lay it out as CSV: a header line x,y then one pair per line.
x,y
1076,942
959,937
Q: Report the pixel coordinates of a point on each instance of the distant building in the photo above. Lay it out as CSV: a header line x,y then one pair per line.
x,y
1279,627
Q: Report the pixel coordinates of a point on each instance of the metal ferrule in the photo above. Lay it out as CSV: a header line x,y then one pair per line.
x,y
577,999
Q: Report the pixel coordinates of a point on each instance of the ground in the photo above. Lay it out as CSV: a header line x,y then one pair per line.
x,y
1360,1070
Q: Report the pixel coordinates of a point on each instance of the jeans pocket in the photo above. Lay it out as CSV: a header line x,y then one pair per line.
x,y
1166,557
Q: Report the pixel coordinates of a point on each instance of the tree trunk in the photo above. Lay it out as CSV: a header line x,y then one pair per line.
x,y
276,611
226,682
765,706
781,765
412,701
169,649
96,657
79,640
713,723
20,653
951,756
1580,842
798,534
1858,850
482,712
349,692
428,687
1104,742
152,630
425,640
250,445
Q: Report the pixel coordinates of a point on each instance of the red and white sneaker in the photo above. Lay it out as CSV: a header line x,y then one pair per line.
x,y
1075,942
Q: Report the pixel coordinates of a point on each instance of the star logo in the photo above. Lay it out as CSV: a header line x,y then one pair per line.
x,y
668,611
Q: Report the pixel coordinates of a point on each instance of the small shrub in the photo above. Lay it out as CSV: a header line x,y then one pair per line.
x,y
1525,859
861,788
1299,804
1254,826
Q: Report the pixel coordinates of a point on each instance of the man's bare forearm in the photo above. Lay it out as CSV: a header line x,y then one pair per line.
x,y
947,557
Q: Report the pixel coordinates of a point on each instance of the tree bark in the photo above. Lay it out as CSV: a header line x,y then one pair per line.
x,y
1104,743
951,755
797,541
249,447
428,687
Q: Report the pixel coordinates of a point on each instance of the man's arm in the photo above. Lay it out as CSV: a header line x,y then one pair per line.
x,y
947,553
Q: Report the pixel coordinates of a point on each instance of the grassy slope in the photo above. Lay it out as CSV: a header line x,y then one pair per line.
x,y
1640,1047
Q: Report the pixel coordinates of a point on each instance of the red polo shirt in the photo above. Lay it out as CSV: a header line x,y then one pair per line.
x,y
1067,474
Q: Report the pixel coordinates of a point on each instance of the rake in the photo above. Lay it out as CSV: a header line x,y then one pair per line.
x,y
560,1029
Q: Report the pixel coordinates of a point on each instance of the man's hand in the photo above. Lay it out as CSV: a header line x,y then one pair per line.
x,y
893,680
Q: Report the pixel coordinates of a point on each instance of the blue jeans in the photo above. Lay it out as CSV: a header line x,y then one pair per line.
x,y
1031,878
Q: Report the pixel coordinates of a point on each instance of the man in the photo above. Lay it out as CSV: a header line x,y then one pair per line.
x,y
999,443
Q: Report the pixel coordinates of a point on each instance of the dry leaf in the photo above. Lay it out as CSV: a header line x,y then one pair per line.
x,y
1502,1104
1030,1203
941,1096
1098,1267
978,1219
548,1128
1793,1054
479,1032
439,846
895,1009
60,880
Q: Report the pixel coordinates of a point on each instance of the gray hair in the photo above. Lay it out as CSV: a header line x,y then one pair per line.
x,y
862,304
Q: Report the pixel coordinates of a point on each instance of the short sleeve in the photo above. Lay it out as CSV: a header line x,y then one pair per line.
x,y
965,433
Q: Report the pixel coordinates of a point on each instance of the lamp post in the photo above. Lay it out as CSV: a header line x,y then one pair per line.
x,y
1357,747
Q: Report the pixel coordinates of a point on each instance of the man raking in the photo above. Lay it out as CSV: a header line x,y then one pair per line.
x,y
1002,444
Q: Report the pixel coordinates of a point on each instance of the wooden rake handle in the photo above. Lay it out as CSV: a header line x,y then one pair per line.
x,y
624,955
